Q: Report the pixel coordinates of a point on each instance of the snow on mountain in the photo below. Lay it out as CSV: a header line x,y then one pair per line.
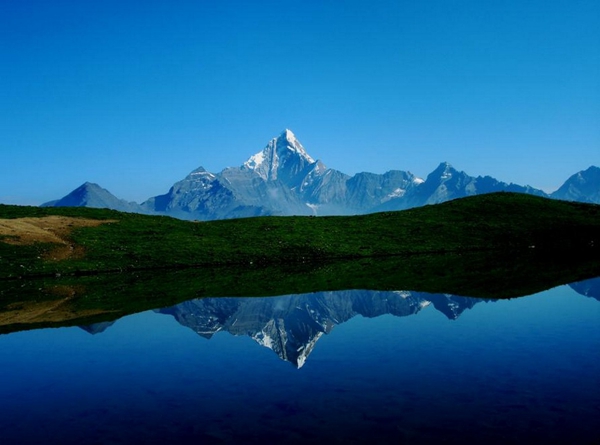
x,y
446,183
283,179
284,157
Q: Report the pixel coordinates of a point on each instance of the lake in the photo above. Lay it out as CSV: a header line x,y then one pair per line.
x,y
325,367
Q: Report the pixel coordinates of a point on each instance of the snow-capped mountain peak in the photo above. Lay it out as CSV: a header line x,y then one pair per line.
x,y
201,172
282,150
288,139
445,170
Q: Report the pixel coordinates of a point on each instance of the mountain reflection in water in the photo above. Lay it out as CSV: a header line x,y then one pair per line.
x,y
291,325
458,370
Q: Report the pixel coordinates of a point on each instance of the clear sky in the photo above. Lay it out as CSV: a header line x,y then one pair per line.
x,y
133,95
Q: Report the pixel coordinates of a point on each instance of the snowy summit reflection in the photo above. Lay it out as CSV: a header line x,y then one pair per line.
x,y
291,325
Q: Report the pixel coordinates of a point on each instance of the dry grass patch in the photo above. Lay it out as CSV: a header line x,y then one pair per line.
x,y
47,229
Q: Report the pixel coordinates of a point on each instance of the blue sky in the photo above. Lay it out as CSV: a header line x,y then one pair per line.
x,y
134,95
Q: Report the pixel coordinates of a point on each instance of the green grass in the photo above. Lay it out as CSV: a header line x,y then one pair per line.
x,y
496,222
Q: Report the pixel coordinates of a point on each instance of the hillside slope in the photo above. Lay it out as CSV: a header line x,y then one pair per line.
x,y
502,221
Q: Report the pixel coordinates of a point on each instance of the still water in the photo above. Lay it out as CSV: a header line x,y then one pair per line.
x,y
335,367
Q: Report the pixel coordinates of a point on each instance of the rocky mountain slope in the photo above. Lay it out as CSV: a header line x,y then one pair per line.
x,y
283,179
583,186
94,196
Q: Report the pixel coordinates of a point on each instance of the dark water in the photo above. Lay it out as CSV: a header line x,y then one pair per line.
x,y
348,367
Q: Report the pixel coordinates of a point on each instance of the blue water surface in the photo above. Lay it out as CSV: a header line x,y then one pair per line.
x,y
509,371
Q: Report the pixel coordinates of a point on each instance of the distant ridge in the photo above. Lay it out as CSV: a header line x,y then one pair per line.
x,y
94,196
583,187
283,179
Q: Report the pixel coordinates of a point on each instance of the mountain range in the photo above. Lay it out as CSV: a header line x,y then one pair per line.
x,y
283,179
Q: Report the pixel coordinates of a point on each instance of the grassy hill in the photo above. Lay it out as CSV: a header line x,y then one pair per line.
x,y
495,222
